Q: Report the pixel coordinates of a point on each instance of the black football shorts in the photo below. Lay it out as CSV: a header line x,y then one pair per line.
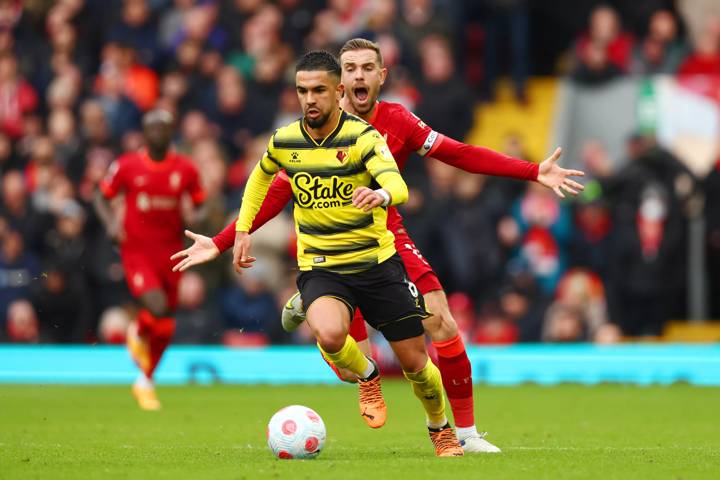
x,y
388,300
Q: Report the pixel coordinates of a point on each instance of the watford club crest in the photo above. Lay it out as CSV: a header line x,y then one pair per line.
x,y
341,156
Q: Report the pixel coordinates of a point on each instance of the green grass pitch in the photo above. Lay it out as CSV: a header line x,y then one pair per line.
x,y
603,432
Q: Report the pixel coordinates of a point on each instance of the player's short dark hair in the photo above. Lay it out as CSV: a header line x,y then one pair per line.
x,y
318,60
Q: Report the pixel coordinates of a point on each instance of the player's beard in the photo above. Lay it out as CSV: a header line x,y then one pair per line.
x,y
317,122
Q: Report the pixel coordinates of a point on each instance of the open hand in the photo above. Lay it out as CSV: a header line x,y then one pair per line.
x,y
557,178
201,251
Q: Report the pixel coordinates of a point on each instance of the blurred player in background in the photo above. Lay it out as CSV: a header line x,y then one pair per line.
x,y
363,75
154,182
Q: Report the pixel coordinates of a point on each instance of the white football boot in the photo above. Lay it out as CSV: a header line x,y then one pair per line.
x,y
293,314
477,444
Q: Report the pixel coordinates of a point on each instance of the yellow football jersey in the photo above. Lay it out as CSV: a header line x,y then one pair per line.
x,y
332,233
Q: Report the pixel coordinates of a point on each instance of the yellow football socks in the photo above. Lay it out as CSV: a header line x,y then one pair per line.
x,y
349,357
427,385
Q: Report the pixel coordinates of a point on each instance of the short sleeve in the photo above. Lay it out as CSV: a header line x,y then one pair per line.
x,y
114,181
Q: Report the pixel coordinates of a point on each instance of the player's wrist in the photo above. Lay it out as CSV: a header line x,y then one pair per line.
x,y
385,195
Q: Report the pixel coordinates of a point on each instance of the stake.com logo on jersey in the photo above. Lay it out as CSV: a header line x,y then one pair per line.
x,y
317,192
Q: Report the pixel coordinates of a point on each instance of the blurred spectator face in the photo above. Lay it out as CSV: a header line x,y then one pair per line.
x,y
663,27
135,13
62,93
391,51
210,63
468,186
188,54
8,69
61,191
382,14
231,90
437,62
363,76
248,6
63,38
174,86
43,152
5,148
10,12
13,246
94,123
417,12
113,325
565,325
514,304
211,165
61,126
199,21
195,126
191,292
269,69
270,17
604,25
14,192
132,141
22,322
7,42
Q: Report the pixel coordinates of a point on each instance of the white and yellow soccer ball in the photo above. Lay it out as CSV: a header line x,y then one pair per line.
x,y
296,432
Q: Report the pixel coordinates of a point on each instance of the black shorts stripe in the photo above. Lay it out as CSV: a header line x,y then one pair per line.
x,y
349,267
302,144
339,251
346,171
338,227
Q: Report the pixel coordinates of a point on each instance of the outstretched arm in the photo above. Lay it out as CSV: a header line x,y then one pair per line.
x,y
489,162
205,249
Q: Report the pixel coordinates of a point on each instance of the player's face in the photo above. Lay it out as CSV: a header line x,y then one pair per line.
x,y
319,93
158,134
363,78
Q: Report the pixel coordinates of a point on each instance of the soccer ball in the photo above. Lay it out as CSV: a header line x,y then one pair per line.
x,y
296,432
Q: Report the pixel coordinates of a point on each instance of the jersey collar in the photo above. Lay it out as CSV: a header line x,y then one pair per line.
x,y
327,140
152,164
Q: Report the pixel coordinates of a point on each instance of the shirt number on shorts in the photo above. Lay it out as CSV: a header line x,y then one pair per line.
x,y
413,289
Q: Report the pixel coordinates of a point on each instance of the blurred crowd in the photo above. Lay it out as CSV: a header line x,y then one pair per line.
x,y
519,265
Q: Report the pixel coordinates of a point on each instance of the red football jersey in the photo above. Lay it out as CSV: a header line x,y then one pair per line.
x,y
153,192
405,133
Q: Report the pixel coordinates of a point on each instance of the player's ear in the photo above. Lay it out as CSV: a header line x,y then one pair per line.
x,y
340,91
383,75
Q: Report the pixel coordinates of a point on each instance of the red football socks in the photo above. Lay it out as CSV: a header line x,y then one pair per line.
x,y
456,374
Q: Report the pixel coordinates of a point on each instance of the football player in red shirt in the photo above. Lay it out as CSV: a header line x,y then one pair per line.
x,y
154,182
363,75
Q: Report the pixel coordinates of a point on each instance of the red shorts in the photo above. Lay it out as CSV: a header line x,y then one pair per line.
x,y
151,270
419,271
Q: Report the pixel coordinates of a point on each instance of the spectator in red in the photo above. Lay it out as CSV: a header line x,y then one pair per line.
x,y
700,71
605,44
17,97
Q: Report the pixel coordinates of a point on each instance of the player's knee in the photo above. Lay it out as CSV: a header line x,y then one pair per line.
x,y
330,340
156,303
441,325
